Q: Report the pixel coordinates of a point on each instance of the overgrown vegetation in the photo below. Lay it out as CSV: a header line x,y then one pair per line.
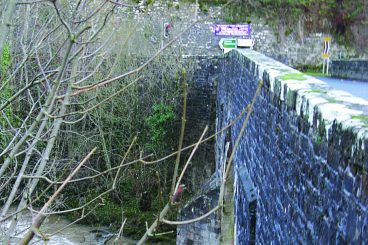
x,y
7,119
143,105
148,110
158,124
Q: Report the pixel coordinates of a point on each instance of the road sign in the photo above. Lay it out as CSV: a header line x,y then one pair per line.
x,y
245,43
232,30
228,43
326,53
326,47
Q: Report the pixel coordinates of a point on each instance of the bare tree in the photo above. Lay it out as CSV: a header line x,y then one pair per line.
x,y
65,72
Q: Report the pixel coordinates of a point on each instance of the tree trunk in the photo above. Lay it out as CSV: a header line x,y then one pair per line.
x,y
5,25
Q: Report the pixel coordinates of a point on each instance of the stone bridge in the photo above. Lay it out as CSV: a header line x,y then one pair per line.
x,y
300,171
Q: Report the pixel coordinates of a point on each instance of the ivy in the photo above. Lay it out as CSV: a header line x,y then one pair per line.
x,y
158,122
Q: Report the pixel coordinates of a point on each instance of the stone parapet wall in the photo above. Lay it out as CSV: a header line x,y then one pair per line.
x,y
303,159
350,69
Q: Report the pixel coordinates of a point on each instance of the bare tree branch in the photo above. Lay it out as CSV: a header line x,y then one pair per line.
x,y
41,216
191,220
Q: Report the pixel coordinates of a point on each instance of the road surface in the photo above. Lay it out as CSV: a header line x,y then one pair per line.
x,y
356,88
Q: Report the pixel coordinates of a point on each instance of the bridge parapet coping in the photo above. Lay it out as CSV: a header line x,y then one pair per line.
x,y
311,98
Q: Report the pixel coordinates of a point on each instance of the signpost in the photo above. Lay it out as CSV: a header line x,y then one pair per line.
x,y
227,44
245,43
326,53
241,30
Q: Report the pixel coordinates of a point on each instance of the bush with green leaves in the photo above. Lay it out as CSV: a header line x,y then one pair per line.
x,y
159,122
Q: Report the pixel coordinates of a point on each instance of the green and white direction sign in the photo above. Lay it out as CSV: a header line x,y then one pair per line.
x,y
227,43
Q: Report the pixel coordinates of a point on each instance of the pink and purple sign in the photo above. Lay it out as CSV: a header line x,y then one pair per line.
x,y
232,30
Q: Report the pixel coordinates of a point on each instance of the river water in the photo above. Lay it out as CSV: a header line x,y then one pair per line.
x,y
74,234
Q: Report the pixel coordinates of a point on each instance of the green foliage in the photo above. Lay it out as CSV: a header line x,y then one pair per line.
x,y
203,7
158,123
288,31
150,2
6,93
284,15
318,139
208,2
5,60
293,76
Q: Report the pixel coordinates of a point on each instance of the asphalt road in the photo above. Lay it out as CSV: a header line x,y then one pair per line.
x,y
356,88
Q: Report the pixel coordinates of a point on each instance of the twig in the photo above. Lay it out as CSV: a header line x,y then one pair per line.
x,y
181,139
123,4
190,158
166,209
41,215
191,220
121,229
108,81
113,186
100,103
74,222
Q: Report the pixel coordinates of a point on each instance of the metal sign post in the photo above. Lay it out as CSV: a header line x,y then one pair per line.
x,y
326,53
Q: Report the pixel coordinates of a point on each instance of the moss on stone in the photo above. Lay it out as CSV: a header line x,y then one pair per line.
x,y
316,74
361,118
332,100
293,76
316,91
318,139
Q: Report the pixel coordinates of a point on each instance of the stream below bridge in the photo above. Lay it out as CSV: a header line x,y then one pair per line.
x,y
74,234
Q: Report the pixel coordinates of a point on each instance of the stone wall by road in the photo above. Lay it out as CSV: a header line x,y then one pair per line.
x,y
301,167
350,69
292,51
